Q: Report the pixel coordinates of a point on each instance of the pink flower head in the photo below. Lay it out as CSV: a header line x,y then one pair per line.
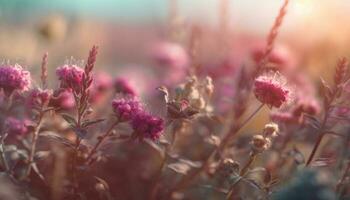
x,y
38,97
147,126
170,54
14,77
121,85
126,109
271,89
16,126
102,83
281,57
285,117
71,76
62,99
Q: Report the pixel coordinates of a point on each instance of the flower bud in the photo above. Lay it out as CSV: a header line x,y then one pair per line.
x,y
271,130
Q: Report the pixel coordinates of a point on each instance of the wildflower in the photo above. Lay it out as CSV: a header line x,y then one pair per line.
x,y
271,89
102,83
62,99
16,126
228,167
123,86
170,54
285,117
271,130
126,109
14,77
280,57
71,76
147,126
260,143
38,97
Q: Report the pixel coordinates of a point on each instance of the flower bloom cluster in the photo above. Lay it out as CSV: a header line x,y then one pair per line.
x,y
71,76
38,97
14,77
271,89
62,99
102,83
170,54
126,109
144,124
16,126
122,86
148,126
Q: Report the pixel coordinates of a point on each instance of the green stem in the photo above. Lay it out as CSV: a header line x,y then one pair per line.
x,y
34,141
100,140
224,142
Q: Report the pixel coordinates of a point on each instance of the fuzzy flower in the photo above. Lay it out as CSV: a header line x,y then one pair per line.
x,y
170,54
126,109
62,99
38,97
147,126
271,89
14,77
123,86
71,76
16,126
102,83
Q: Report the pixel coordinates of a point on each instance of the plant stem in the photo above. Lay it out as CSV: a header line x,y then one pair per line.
x,y
224,142
319,139
100,140
343,177
34,141
2,153
313,152
241,174
155,186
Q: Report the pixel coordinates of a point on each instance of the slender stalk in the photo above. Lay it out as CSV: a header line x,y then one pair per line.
x,y
314,149
155,186
241,174
347,170
2,153
319,139
225,141
35,136
100,140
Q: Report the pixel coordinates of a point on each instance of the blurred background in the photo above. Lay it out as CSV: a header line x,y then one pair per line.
x,y
124,30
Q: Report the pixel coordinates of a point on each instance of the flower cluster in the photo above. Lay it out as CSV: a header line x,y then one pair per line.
x,y
144,124
148,126
16,127
126,109
62,99
71,76
271,89
38,97
14,77
122,86
262,142
170,54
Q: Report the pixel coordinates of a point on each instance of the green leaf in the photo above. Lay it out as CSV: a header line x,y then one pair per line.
x,y
92,122
69,119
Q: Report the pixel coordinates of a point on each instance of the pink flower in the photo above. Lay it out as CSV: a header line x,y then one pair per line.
x,y
71,76
147,126
170,54
62,99
126,109
14,77
271,89
121,85
102,83
38,97
16,126
280,58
